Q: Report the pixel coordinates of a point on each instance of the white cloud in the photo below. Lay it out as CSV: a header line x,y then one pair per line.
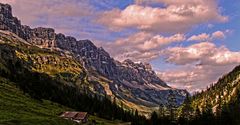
x,y
174,17
159,41
218,35
204,53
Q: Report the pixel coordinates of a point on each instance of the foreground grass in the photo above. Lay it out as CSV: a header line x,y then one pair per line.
x,y
18,108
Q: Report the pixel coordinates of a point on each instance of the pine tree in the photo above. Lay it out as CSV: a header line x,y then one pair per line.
x,y
197,114
219,107
172,104
154,118
236,108
161,113
207,114
186,111
225,114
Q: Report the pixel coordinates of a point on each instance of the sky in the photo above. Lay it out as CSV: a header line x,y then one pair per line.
x,y
190,43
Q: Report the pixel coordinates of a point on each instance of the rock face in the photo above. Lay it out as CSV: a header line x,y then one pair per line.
x,y
139,72
136,82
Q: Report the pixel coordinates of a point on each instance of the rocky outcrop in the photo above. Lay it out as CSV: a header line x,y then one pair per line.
x,y
138,79
93,57
10,23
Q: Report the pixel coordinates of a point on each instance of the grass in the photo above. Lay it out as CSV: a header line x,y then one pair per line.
x,y
101,121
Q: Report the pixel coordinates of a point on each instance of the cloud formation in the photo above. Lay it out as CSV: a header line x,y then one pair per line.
x,y
144,46
141,46
218,35
174,17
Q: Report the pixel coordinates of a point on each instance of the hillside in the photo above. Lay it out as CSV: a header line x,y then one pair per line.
x,y
218,104
19,108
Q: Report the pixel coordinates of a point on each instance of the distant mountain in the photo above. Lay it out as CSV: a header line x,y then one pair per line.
x,y
135,84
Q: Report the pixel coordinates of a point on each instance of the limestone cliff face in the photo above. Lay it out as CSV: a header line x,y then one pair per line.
x,y
128,78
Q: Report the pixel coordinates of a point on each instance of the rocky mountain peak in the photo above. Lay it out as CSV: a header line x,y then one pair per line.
x,y
6,10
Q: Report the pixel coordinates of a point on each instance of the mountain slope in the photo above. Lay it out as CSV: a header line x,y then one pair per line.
x,y
219,104
134,83
225,91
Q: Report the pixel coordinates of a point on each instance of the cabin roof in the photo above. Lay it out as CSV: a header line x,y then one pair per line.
x,y
81,115
74,115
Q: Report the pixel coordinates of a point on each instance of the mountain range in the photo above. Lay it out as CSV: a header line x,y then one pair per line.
x,y
135,84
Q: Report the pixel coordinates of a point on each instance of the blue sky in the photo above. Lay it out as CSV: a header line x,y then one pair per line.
x,y
190,43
